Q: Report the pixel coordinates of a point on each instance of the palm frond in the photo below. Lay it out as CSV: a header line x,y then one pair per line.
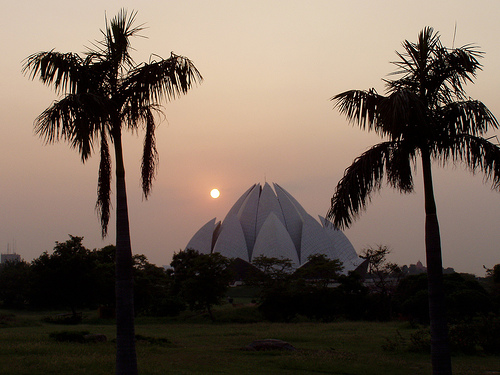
x,y
478,154
150,155
399,166
158,80
392,115
104,185
459,67
445,70
116,45
466,117
76,119
63,70
360,107
400,113
364,176
416,56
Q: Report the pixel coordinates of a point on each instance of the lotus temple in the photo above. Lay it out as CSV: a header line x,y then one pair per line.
x,y
268,221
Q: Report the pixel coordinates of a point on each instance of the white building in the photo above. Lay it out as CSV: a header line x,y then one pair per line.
x,y
271,222
9,258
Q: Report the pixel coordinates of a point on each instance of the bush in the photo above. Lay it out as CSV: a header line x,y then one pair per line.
x,y
463,338
69,336
64,319
487,329
279,306
7,319
420,341
479,336
465,298
160,341
166,306
395,344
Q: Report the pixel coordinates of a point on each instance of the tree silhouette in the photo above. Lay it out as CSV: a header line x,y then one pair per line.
x,y
104,92
201,280
425,114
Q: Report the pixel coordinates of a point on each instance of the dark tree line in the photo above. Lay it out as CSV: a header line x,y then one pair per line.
x,y
73,277
319,291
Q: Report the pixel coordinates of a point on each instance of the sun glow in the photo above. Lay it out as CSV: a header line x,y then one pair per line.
x,y
215,193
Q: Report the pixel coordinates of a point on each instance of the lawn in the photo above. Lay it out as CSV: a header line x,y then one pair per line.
x,y
197,346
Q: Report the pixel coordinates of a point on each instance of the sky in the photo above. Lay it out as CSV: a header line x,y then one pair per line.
x,y
263,113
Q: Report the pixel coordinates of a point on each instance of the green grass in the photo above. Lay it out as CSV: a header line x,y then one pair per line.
x,y
196,346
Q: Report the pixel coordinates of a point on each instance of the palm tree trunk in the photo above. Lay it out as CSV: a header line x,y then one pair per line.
x,y
440,350
126,360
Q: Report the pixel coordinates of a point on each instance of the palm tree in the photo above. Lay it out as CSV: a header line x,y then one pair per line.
x,y
425,115
104,93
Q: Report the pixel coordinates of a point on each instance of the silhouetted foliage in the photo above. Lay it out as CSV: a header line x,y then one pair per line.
x,y
65,278
494,273
75,277
354,296
382,279
201,280
273,270
319,270
316,290
465,298
243,271
15,285
150,286
492,283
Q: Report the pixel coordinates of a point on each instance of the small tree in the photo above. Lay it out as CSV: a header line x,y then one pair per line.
x,y
384,274
150,285
494,273
64,278
273,270
200,279
14,284
385,277
320,270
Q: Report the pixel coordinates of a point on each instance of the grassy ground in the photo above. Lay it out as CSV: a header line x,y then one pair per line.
x,y
200,347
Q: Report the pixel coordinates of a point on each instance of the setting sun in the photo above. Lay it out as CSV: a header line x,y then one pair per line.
x,y
215,193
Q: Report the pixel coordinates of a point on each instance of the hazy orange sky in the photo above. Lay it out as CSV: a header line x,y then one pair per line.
x,y
262,114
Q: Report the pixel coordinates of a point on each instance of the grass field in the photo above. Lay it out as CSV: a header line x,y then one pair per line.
x,y
197,346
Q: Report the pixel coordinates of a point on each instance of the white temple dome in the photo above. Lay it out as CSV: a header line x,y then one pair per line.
x,y
274,224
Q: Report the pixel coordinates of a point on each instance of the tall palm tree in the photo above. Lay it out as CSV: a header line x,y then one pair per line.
x,y
425,115
104,93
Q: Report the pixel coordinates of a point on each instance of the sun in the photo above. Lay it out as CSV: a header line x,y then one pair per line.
x,y
215,193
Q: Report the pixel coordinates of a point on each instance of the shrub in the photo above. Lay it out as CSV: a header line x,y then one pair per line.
x,y
69,336
488,333
395,344
420,341
160,341
64,319
479,336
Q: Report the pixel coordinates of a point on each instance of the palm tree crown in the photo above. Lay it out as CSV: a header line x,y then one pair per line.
x,y
103,92
426,110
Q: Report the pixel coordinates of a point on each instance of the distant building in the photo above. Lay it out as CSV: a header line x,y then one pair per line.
x,y
270,222
9,258
416,269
